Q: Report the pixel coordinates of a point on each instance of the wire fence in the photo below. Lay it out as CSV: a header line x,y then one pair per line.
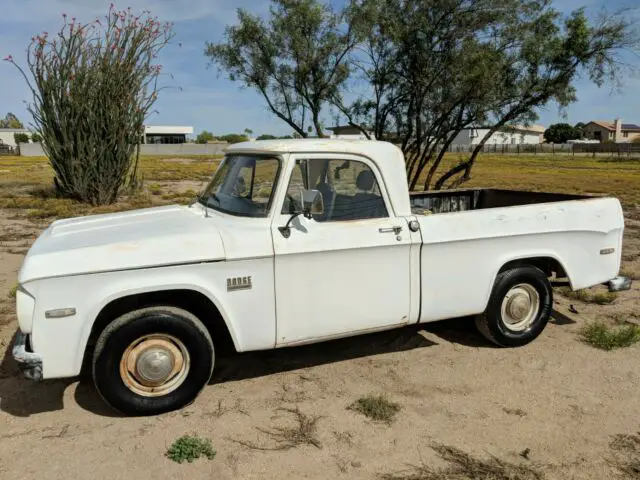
x,y
601,149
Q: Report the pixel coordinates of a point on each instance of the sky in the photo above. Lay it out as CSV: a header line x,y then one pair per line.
x,y
206,100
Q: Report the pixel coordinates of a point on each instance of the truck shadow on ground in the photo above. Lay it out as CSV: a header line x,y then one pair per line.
x,y
22,398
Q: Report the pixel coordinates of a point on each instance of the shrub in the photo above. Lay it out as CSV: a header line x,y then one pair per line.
x,y
586,296
601,336
36,138
189,448
93,85
376,407
21,138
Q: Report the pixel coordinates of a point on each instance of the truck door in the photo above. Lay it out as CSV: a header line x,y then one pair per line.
x,y
348,269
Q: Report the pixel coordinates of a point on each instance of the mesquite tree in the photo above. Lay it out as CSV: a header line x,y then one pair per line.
x,y
295,59
437,67
93,85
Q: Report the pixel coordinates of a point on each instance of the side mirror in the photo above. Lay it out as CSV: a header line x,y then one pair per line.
x,y
312,202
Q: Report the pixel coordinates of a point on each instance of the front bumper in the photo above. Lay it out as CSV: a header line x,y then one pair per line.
x,y
29,362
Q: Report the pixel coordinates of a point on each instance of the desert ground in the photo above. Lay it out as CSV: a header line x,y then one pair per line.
x,y
558,408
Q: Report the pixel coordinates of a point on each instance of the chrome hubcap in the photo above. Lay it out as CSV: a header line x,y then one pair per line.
x,y
154,365
520,307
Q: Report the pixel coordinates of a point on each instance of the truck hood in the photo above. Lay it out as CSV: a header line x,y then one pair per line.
x,y
149,237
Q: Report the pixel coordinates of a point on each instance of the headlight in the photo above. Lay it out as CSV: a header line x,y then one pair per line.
x,y
25,305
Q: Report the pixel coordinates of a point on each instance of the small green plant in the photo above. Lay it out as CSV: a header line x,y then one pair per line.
x,y
600,298
189,448
376,407
602,336
13,291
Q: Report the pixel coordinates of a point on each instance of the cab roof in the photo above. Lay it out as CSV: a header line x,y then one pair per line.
x,y
369,148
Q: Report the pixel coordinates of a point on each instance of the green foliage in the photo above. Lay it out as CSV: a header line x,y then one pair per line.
x,y
234,138
204,137
377,408
296,58
189,448
431,67
266,137
10,120
93,85
21,137
13,291
587,296
602,336
36,138
430,79
560,133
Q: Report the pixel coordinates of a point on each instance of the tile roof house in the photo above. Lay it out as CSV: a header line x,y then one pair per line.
x,y
617,131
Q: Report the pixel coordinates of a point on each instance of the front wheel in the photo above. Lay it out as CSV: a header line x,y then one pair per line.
x,y
519,307
153,360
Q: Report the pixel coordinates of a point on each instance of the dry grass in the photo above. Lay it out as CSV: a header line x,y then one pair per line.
x,y
285,438
462,466
588,296
376,407
633,274
26,185
626,450
561,173
605,337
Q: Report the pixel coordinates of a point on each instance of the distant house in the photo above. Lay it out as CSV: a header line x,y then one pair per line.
x,y
349,132
617,131
6,135
165,134
508,135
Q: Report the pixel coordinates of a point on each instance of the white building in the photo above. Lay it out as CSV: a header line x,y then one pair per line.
x,y
349,133
512,135
6,135
166,134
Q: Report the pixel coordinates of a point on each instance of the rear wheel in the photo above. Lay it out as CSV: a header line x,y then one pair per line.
x,y
519,307
153,360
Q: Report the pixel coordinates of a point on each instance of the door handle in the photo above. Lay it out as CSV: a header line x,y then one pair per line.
x,y
396,230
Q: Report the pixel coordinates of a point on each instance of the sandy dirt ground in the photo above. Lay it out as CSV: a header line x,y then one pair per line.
x,y
558,399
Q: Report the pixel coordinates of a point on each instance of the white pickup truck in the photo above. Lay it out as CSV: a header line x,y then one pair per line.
x,y
295,242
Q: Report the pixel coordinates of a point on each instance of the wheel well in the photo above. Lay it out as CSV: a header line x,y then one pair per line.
x,y
550,266
190,300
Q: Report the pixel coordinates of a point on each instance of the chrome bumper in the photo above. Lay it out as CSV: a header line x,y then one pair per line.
x,y
619,283
29,362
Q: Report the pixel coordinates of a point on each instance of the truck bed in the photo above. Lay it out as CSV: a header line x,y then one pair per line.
x,y
444,201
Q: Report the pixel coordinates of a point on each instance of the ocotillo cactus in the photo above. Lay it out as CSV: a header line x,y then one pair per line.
x,y
93,86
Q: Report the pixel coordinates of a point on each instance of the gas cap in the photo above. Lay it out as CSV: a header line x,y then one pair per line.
x,y
414,226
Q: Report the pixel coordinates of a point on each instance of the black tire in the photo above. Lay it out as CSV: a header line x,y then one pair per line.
x,y
495,328
119,335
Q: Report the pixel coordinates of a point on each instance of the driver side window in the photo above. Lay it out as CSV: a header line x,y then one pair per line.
x,y
349,189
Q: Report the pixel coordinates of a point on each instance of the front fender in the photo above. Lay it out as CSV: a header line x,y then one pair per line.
x,y
249,314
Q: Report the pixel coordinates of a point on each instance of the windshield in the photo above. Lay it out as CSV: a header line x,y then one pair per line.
x,y
243,185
